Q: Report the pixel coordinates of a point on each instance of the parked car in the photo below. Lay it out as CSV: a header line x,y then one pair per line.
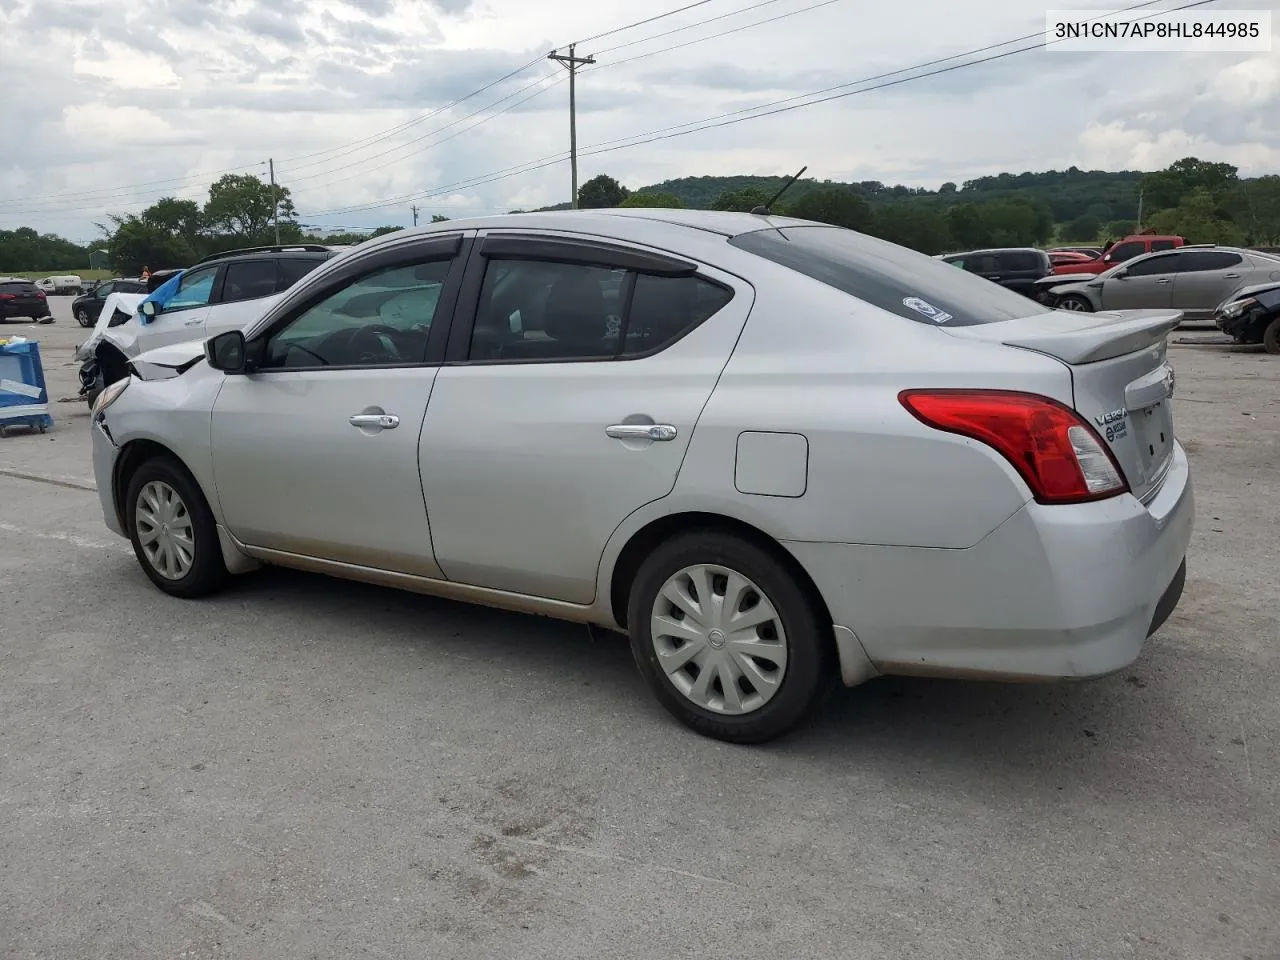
x,y
1124,250
88,308
1252,315
777,453
21,298
1017,268
1192,279
221,292
1062,259
64,285
1091,253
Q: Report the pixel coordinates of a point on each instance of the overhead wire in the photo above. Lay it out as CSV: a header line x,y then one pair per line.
x,y
755,112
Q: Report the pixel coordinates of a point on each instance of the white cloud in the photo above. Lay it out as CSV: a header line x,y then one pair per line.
x,y
113,99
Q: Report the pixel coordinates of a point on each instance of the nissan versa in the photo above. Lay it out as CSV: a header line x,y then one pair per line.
x,y
777,454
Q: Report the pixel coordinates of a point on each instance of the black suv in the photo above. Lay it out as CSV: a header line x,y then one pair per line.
x,y
22,298
88,308
1017,268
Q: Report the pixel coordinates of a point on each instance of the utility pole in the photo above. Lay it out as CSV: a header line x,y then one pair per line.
x,y
1141,190
275,199
572,61
414,208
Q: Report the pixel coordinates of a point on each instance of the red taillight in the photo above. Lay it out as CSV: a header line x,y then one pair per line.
x,y
39,294
8,296
1061,457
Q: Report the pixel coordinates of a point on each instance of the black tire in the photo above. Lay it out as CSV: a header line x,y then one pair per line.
x,y
1077,303
1271,336
98,386
810,671
207,573
82,318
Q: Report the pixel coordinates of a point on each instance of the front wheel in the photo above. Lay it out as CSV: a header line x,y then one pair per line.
x,y
1075,303
172,529
727,639
1271,336
82,318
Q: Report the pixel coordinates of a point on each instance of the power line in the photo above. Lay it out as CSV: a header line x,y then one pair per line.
x,y
640,23
700,23
762,110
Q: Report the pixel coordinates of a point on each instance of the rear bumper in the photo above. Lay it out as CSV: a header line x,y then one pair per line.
x,y
1055,592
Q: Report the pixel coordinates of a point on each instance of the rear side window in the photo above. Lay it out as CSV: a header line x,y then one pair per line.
x,y
906,283
1162,245
249,280
291,271
1198,260
1020,260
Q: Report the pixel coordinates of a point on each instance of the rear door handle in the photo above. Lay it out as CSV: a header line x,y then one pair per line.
x,y
1231,276
1165,280
641,431
383,421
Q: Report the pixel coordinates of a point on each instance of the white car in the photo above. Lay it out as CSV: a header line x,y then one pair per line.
x,y
65,284
222,292
776,453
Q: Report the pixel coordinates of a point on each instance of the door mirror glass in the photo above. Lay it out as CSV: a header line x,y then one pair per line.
x,y
226,352
149,308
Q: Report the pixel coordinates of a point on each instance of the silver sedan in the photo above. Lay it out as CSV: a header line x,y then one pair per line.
x,y
777,454
1193,280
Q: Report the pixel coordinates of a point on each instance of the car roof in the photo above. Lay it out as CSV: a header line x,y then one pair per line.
x,y
969,253
305,251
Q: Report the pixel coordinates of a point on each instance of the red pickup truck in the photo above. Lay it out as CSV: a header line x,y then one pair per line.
x,y
1131,246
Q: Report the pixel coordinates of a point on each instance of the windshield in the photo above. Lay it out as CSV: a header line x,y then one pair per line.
x,y
911,285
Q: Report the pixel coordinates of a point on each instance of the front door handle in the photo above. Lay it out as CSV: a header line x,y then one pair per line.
x,y
383,421
641,431
192,323
1231,276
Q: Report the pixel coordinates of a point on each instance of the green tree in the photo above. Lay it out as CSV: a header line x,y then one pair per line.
x,y
601,192
1197,219
178,218
438,218
1167,188
1083,228
839,206
1254,207
383,231
741,201
912,225
24,249
665,200
134,243
240,208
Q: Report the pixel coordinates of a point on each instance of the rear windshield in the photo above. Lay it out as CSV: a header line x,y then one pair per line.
x,y
910,284
24,287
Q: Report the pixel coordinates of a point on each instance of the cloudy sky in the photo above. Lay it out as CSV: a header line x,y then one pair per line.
x,y
108,106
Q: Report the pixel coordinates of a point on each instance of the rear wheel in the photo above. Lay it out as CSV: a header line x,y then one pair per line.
x,y
1075,303
727,639
172,529
1271,336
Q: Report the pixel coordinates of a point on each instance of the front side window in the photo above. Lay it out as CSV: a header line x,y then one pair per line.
x,y
1162,245
105,290
1152,266
380,319
194,290
906,283
249,280
542,310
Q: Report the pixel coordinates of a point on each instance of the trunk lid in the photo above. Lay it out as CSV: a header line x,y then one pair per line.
x,y
1122,382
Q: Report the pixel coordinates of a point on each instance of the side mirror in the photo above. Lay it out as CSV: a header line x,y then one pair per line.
x,y
150,308
226,352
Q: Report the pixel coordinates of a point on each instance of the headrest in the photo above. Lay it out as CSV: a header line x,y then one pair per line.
x,y
576,311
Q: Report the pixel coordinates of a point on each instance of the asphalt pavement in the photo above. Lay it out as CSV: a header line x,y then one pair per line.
x,y
304,768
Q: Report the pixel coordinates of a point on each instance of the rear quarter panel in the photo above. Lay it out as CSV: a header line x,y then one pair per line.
x,y
814,361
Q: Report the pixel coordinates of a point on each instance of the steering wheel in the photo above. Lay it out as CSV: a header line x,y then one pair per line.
x,y
374,343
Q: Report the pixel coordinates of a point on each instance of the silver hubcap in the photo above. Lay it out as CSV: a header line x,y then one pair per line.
x,y
719,639
1073,305
165,530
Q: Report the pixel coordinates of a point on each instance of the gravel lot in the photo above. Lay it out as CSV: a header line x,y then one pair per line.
x,y
306,769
